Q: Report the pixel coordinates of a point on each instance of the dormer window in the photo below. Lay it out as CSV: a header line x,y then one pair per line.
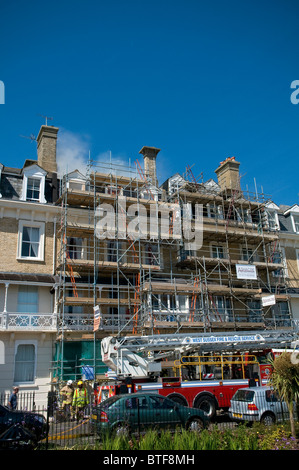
x,y
270,219
76,181
296,223
272,222
293,212
33,189
34,178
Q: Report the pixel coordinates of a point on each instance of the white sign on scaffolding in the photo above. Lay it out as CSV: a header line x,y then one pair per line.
x,y
268,300
246,271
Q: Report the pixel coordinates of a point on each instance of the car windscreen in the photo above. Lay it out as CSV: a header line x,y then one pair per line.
x,y
244,395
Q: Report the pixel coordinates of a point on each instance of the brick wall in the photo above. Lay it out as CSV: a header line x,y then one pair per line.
x,y
9,249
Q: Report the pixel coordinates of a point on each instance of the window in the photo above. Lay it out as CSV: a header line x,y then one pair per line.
x,y
75,247
246,215
281,314
296,223
25,362
151,254
272,219
31,241
217,251
73,309
254,311
34,181
220,309
33,189
28,299
214,211
271,396
160,402
249,254
279,257
182,302
112,251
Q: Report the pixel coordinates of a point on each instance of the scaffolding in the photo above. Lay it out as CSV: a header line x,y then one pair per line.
x,y
148,283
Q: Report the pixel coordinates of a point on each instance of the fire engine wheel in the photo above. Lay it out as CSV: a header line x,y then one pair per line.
x,y
206,404
178,399
268,419
195,425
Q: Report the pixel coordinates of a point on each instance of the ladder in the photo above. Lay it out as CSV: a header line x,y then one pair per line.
x,y
212,341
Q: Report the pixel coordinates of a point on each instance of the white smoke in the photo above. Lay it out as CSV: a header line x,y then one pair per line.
x,y
73,154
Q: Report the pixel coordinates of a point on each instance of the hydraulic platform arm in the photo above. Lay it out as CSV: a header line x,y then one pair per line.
x,y
140,356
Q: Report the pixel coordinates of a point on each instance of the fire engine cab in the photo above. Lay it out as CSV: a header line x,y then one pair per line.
x,y
203,371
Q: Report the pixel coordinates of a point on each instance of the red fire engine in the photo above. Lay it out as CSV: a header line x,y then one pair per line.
x,y
210,368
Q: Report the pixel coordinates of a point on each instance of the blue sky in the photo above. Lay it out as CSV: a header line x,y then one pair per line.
x,y
200,80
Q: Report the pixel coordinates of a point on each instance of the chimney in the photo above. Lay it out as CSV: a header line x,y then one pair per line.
x,y
228,175
149,157
46,148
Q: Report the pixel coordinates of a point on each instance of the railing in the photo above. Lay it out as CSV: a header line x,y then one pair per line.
x,y
84,322
138,413
26,400
28,321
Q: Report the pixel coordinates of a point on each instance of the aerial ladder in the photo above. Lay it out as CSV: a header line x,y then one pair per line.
x,y
141,356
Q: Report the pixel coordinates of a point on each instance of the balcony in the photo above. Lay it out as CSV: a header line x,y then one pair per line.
x,y
15,321
84,323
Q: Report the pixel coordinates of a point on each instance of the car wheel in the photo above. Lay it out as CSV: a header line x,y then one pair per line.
x,y
195,425
268,419
121,430
206,404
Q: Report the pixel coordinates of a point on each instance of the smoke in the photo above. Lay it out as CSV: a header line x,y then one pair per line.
x,y
73,153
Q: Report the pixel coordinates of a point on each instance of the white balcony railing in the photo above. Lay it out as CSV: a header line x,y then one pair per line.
x,y
28,321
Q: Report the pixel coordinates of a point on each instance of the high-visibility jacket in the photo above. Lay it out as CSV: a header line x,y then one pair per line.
x,y
80,397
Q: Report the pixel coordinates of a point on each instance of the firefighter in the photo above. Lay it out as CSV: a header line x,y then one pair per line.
x,y
67,393
80,401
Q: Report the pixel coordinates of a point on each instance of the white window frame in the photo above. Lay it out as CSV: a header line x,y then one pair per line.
x,y
284,263
273,217
34,172
24,342
41,248
78,249
215,211
36,183
218,245
224,311
294,223
244,249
